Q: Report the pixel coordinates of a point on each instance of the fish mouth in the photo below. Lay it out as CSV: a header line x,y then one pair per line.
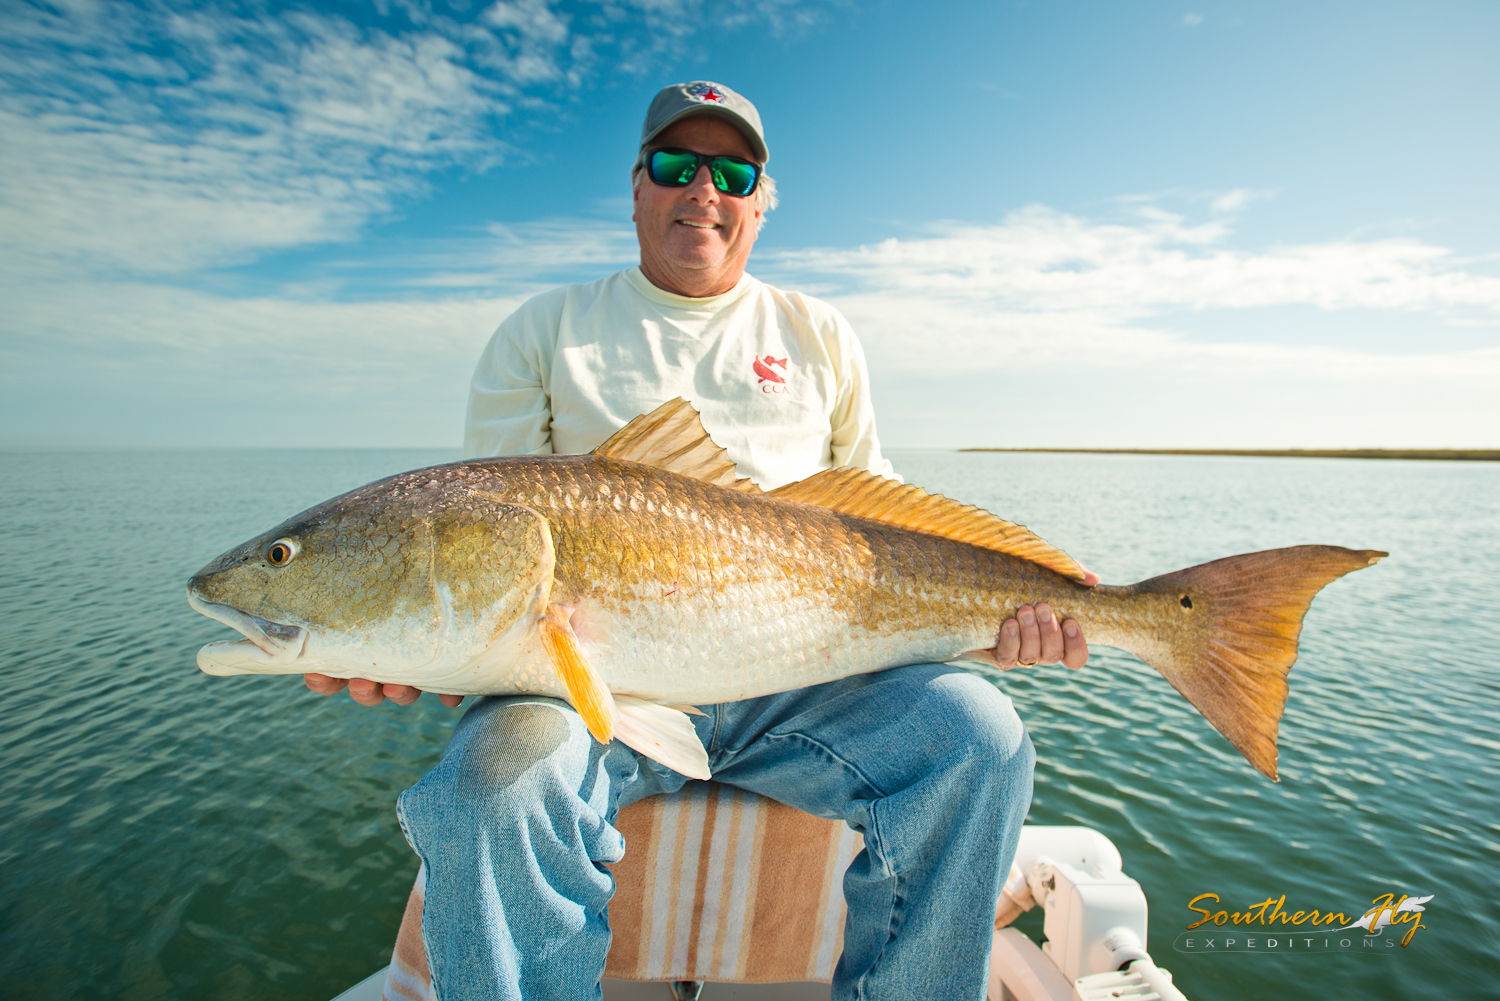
x,y
268,647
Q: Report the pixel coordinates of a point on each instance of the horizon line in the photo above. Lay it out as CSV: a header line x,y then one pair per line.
x,y
1451,454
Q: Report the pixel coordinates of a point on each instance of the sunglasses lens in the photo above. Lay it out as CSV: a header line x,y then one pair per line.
x,y
676,168
733,177
672,167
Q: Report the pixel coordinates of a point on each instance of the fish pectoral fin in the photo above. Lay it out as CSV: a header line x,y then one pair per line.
x,y
672,437
585,688
661,733
690,710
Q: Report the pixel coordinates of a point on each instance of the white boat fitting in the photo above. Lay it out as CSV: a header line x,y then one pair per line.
x,y
1094,927
1094,924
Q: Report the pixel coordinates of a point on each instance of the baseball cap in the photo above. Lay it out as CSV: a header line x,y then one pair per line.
x,y
704,97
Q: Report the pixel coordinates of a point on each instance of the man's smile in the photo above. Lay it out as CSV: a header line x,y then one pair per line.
x,y
698,225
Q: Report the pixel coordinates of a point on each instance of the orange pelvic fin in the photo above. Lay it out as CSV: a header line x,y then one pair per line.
x,y
864,495
585,688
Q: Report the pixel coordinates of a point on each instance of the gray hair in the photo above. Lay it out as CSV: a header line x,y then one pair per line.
x,y
764,196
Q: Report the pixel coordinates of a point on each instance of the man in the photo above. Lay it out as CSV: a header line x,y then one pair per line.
x,y
928,762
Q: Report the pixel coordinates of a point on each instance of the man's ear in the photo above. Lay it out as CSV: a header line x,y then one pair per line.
x,y
635,194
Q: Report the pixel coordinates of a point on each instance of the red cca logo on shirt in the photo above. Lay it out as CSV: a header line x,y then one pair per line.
x,y
770,382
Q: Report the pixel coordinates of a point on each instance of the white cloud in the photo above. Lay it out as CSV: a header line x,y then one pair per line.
x,y
138,361
145,141
1046,329
1043,281
516,256
1192,20
95,361
145,146
1231,202
531,19
1050,329
154,140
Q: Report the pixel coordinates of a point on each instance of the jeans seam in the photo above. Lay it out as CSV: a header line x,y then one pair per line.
x,y
853,768
890,935
713,742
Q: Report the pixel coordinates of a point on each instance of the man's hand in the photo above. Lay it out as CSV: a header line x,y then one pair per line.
x,y
1035,637
372,693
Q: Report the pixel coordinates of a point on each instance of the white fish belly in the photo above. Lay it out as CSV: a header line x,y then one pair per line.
x,y
749,647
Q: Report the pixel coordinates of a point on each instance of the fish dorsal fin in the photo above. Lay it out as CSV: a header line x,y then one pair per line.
x,y
671,437
864,495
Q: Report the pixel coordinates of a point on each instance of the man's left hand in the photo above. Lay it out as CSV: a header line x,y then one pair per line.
x,y
1034,636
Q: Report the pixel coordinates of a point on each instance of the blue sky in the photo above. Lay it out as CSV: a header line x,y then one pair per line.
x,y
1131,224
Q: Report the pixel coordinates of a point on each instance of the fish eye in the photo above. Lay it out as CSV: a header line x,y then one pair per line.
x,y
280,552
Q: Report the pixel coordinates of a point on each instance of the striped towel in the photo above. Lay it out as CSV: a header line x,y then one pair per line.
x,y
716,884
722,884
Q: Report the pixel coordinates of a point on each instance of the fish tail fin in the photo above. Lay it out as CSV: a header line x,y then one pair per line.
x,y
662,734
1237,621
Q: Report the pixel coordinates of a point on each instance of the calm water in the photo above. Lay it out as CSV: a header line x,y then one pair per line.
x,y
164,834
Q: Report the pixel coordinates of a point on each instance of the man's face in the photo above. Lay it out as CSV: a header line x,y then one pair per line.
x,y
697,237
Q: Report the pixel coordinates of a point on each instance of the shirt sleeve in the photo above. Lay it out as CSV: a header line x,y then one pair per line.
x,y
510,403
854,441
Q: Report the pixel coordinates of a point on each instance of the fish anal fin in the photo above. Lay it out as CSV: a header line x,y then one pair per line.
x,y
672,437
585,688
862,494
661,733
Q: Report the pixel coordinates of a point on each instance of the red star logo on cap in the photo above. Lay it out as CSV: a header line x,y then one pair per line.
x,y
708,94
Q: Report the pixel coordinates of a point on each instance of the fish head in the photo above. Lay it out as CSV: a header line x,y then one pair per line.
x,y
406,580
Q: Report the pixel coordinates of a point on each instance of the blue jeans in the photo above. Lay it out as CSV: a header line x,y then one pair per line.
x,y
928,762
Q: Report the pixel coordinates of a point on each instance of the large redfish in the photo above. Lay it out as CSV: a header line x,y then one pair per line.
x,y
644,578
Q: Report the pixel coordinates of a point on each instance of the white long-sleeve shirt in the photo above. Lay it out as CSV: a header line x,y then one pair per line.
x,y
778,377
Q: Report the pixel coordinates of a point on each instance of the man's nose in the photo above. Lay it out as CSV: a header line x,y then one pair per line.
x,y
701,188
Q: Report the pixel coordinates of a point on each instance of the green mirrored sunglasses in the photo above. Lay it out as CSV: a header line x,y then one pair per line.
x,y
676,168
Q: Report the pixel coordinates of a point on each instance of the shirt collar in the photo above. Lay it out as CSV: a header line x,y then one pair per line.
x,y
709,304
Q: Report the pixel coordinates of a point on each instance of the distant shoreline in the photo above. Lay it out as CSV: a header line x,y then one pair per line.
x,y
1464,454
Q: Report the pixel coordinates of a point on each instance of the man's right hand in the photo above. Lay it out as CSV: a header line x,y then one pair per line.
x,y
372,693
